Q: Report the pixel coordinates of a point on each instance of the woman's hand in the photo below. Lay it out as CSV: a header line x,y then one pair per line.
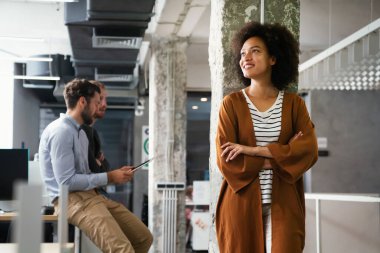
x,y
231,150
267,164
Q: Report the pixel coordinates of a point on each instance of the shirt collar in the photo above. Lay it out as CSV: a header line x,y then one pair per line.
x,y
71,120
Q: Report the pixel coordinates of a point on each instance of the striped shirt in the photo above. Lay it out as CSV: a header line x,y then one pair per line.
x,y
267,128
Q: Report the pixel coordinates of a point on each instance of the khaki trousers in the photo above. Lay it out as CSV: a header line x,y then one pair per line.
x,y
110,225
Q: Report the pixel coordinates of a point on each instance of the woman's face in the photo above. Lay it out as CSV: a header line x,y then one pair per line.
x,y
255,61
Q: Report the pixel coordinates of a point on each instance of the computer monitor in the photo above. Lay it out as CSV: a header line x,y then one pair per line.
x,y
13,167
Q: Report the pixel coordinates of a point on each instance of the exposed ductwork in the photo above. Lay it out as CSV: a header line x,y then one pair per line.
x,y
105,38
44,75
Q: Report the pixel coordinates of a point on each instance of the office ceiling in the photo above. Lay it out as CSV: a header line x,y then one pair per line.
x,y
39,27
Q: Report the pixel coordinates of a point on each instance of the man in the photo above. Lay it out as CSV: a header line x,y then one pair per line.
x,y
97,161
63,156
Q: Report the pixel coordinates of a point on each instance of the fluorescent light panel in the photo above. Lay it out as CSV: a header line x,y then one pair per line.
x,y
28,59
44,59
47,78
22,39
38,86
46,1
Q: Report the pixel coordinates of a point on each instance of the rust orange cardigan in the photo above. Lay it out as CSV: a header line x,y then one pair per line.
x,y
238,213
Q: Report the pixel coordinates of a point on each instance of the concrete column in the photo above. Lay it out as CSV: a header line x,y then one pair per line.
x,y
167,139
227,16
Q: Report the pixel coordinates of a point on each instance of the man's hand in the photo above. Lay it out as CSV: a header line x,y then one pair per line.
x,y
101,157
120,176
99,163
296,136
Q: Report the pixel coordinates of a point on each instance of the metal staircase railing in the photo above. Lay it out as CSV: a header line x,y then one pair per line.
x,y
351,64
318,197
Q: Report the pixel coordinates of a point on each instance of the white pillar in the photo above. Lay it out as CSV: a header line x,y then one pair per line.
x,y
167,138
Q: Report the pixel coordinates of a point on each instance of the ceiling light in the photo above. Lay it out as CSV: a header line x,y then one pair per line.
x,y
29,59
37,86
18,58
204,99
48,78
195,107
44,59
22,39
47,1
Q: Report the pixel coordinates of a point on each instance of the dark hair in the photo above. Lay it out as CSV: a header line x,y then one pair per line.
x,y
97,83
77,88
281,44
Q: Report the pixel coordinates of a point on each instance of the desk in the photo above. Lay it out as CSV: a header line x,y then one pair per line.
x,y
8,217
11,216
45,248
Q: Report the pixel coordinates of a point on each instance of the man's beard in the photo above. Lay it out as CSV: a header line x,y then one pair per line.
x,y
100,115
87,118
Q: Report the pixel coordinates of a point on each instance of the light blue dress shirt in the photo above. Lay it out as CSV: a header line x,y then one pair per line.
x,y
63,158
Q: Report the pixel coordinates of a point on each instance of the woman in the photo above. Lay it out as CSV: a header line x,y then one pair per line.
x,y
265,143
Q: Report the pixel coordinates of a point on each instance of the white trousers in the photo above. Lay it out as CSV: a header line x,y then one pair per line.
x,y
267,227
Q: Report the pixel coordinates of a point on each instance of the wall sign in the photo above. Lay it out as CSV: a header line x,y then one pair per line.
x,y
145,145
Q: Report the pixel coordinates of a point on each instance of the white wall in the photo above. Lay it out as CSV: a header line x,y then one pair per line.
x,y
6,107
198,77
26,118
350,121
30,28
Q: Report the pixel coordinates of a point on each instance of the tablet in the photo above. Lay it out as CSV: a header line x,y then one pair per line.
x,y
141,164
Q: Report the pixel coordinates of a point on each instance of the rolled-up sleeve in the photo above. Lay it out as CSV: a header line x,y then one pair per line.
x,y
293,159
244,169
